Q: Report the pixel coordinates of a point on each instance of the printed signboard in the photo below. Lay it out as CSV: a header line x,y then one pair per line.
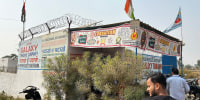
x,y
54,44
30,54
106,37
162,45
123,36
152,63
33,53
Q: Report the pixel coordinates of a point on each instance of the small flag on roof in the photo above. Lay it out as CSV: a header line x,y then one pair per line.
x,y
129,9
177,23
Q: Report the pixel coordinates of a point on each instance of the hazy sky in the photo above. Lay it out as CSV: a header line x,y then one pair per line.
x,y
157,13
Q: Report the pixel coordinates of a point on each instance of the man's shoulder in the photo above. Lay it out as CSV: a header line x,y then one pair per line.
x,y
160,98
173,77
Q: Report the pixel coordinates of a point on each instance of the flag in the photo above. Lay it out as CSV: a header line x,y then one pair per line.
x,y
129,9
177,23
23,15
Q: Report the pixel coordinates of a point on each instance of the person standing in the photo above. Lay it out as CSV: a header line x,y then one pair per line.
x,y
177,87
156,86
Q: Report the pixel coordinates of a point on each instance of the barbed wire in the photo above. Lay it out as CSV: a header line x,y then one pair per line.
x,y
58,23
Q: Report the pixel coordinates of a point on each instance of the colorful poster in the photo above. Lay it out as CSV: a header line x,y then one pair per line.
x,y
106,37
122,36
162,45
30,54
152,63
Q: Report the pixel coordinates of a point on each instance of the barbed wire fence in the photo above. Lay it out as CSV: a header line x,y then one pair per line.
x,y
58,23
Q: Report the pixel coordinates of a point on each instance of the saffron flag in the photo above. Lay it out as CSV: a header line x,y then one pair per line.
x,y
23,15
177,23
129,9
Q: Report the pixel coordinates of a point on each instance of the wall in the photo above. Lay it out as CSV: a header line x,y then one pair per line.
x,y
12,84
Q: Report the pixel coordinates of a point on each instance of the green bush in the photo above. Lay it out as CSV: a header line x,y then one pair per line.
x,y
114,76
134,92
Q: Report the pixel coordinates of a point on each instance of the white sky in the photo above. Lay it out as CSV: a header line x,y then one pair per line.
x,y
157,13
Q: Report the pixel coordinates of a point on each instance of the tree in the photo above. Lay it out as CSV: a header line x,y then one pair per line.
x,y
93,74
60,78
119,75
188,66
85,67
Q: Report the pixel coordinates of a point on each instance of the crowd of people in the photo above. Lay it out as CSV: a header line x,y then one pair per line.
x,y
171,88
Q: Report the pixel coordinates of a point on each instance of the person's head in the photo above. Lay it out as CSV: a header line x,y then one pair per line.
x,y
156,83
175,71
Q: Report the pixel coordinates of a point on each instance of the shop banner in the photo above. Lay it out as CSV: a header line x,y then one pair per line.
x,y
123,36
54,44
30,54
162,45
152,63
106,37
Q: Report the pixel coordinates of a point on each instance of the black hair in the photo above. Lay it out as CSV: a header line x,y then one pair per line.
x,y
158,77
175,71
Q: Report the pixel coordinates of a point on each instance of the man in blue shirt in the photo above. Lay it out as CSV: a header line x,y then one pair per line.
x,y
177,87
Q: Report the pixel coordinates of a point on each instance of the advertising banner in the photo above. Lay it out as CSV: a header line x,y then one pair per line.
x,y
123,36
54,44
106,37
162,45
152,63
30,54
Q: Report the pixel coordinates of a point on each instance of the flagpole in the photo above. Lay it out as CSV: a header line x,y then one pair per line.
x,y
181,53
23,31
181,46
23,18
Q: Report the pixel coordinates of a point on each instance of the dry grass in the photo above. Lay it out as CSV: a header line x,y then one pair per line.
x,y
4,96
192,73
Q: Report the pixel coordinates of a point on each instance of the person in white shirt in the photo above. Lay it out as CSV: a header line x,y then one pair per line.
x,y
177,87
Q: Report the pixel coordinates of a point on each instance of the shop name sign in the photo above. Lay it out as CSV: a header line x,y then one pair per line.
x,y
29,48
